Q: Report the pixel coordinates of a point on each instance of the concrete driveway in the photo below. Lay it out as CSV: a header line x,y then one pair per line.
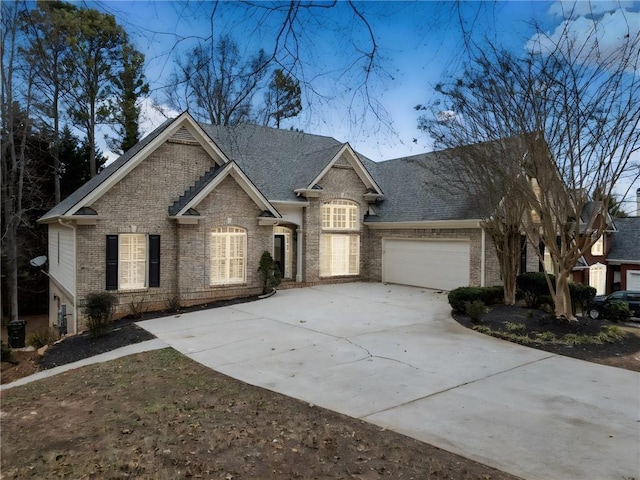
x,y
392,356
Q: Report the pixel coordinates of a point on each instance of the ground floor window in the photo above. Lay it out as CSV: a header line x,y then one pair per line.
x,y
339,255
228,255
133,261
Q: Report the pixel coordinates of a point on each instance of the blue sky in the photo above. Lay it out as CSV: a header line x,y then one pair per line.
x,y
418,43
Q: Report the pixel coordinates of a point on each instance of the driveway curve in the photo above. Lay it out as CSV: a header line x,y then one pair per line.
x,y
393,356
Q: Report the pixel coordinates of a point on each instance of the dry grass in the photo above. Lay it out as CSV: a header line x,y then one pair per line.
x,y
160,415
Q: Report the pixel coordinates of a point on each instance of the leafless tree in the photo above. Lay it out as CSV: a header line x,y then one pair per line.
x,y
216,85
16,81
576,106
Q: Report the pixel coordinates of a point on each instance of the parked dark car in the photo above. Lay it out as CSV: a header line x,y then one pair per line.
x,y
599,304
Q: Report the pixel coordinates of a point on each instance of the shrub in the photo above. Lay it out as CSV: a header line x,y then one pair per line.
x,y
618,312
40,339
475,310
269,271
5,352
174,304
98,308
581,296
459,297
137,308
518,328
611,333
534,285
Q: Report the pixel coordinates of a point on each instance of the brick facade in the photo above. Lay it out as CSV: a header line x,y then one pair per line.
x,y
340,182
139,203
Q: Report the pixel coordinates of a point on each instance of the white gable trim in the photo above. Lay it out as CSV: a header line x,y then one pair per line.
x,y
233,170
357,165
183,120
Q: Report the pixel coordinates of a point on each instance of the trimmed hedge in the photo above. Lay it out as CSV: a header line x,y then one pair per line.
x,y
536,291
459,297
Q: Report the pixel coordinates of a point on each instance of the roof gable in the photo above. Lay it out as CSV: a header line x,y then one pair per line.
x,y
347,156
182,129
210,181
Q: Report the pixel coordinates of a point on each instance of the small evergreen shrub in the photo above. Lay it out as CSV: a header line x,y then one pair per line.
x,y
534,285
459,297
475,310
581,296
5,352
98,308
617,312
269,271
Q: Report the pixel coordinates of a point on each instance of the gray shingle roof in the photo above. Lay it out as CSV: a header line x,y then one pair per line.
x,y
65,205
625,242
281,161
276,161
415,191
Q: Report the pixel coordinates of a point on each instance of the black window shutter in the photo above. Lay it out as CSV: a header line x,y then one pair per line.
x,y
154,260
112,262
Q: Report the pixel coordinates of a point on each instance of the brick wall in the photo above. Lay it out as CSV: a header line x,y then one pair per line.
x,y
340,182
139,204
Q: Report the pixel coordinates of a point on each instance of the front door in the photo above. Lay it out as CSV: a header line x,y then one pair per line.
x,y
279,253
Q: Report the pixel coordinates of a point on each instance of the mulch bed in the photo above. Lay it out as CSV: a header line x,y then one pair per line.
x,y
121,333
537,321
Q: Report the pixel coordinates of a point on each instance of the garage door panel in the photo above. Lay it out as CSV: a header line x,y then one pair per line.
x,y
442,264
633,279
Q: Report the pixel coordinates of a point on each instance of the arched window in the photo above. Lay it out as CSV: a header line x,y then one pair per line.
x,y
340,239
340,215
228,255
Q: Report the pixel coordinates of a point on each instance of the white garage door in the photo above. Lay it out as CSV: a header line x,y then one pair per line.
x,y
441,264
633,280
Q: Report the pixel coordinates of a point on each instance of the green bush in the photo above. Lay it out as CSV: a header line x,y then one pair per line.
x,y
475,310
98,308
459,297
269,271
5,352
581,296
534,285
617,312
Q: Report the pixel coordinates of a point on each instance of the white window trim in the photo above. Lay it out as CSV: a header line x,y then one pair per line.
x,y
598,278
124,264
330,212
597,249
227,233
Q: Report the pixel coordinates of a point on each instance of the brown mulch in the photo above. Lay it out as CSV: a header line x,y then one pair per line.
x,y
624,353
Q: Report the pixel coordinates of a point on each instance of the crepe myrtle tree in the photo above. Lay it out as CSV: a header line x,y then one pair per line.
x,y
469,171
575,105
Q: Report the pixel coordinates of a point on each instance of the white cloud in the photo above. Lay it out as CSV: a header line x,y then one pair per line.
x,y
607,31
152,115
572,9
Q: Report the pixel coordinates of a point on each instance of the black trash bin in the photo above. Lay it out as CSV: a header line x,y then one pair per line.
x,y
16,333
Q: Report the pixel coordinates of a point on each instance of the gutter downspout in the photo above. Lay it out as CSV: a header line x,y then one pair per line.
x,y
75,274
482,257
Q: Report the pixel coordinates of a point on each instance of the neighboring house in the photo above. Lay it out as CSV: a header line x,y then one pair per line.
x,y
613,261
187,212
623,257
